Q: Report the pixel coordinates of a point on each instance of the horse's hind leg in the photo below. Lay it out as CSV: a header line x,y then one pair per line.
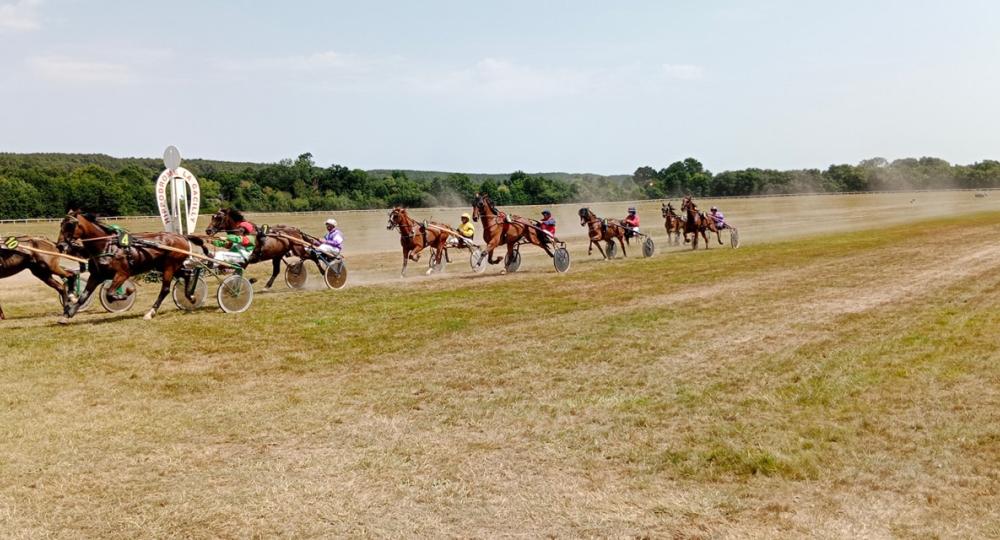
x,y
275,270
49,278
168,277
622,242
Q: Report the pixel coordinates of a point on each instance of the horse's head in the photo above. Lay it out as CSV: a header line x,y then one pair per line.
x,y
69,232
482,207
226,219
395,217
688,204
584,214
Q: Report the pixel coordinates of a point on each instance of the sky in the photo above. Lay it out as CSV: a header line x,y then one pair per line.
x,y
479,86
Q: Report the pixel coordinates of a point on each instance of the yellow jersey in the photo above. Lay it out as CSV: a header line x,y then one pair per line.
x,y
467,229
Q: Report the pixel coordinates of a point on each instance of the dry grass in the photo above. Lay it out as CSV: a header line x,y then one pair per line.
x,y
836,386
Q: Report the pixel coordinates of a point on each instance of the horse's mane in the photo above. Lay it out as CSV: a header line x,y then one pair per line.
x,y
235,214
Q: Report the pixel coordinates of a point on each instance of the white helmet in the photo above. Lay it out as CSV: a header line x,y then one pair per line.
x,y
331,221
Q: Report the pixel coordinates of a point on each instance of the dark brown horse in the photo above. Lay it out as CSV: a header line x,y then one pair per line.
x,y
499,228
43,266
602,230
117,256
697,223
272,245
414,237
672,222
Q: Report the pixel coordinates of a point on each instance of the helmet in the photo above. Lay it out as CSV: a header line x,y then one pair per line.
x,y
715,208
631,210
546,213
466,215
331,221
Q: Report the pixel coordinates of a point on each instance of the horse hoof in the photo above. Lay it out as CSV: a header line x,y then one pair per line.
x,y
149,315
503,272
62,320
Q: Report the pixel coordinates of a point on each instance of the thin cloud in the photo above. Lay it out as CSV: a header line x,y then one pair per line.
x,y
20,15
504,79
321,61
73,71
684,72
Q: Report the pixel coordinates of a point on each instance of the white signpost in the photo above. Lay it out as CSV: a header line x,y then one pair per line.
x,y
179,206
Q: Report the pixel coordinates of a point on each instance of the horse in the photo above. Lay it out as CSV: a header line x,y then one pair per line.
x,y
602,230
697,223
111,257
271,246
500,228
415,237
672,222
42,265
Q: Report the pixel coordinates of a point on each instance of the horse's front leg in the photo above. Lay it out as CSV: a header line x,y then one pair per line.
x,y
93,281
621,242
599,249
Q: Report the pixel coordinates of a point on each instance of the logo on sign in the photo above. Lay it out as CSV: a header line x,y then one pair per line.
x,y
179,210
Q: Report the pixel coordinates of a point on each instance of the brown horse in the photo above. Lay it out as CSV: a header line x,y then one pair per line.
x,y
415,237
500,228
273,245
112,257
697,223
672,222
43,266
606,230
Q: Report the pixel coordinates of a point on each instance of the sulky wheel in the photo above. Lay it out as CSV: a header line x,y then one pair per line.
x,y
199,292
439,266
295,275
477,260
612,249
235,294
512,261
648,248
560,259
335,275
734,238
118,306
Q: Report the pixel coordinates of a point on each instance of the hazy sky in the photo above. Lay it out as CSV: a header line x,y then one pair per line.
x,y
495,86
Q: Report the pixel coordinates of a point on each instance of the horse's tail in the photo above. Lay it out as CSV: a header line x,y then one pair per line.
x,y
543,237
198,241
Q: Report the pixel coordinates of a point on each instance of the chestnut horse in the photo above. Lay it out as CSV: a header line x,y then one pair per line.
x,y
415,237
672,222
697,223
599,230
270,246
500,228
111,259
43,266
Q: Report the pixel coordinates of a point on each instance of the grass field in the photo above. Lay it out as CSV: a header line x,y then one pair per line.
x,y
836,385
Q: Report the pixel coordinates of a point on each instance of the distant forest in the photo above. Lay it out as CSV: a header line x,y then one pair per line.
x,y
45,185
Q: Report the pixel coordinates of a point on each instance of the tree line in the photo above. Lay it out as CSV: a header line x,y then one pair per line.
x,y
877,174
46,185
